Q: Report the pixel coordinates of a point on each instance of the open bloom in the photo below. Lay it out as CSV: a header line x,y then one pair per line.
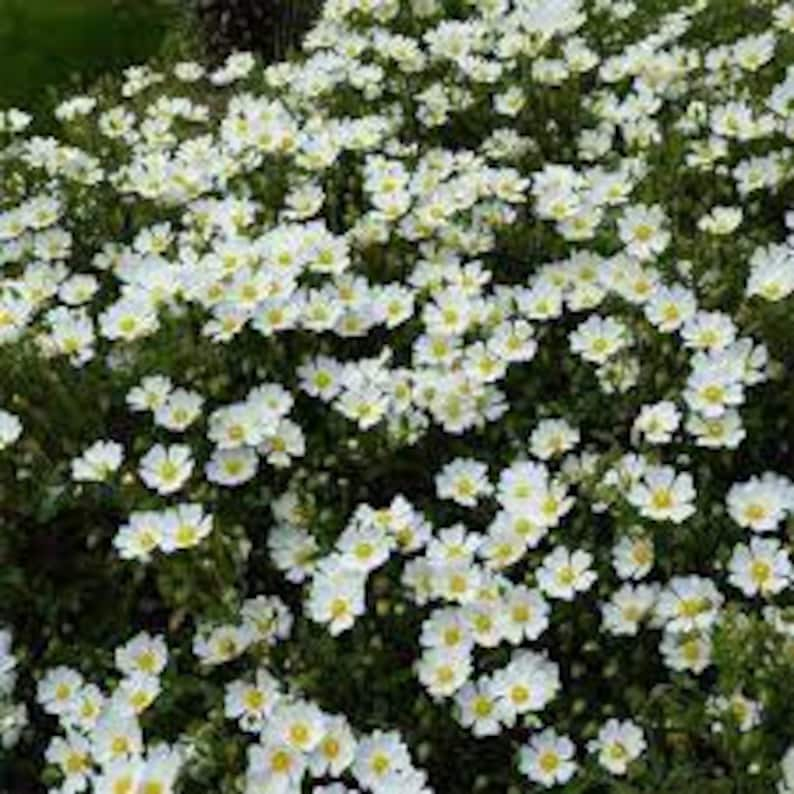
x,y
166,469
548,759
762,568
98,462
664,495
618,744
565,573
689,603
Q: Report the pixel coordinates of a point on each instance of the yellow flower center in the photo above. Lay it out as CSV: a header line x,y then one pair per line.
x,y
662,499
755,512
281,761
760,571
380,763
254,699
76,763
299,733
566,576
120,745
483,707
339,608
519,694
147,661
549,761
331,747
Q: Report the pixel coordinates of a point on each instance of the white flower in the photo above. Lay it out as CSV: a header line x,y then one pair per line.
x,y
721,220
480,710
128,319
453,545
548,759
599,338
320,377
657,422
268,618
641,229
58,690
441,673
744,712
144,653
86,709
553,437
285,443
241,424
166,469
221,644
709,331
771,273
627,607
786,785
274,767
527,684
719,432
714,385
762,568
664,495
378,757
10,429
300,725
618,744
565,573
364,548
526,614
184,526
464,481
686,652
151,394
336,598
134,694
521,483
458,582
180,409
689,603
293,551
98,462
232,467
116,736
141,535
447,628
161,768
336,750
670,307
73,755
761,503
487,621
121,774
502,547
633,556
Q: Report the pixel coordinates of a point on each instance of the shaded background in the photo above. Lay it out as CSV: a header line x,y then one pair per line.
x,y
49,48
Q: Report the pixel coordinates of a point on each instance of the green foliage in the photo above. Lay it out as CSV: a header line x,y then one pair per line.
x,y
480,231
48,45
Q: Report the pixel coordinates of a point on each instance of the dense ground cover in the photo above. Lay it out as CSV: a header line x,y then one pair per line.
x,y
414,415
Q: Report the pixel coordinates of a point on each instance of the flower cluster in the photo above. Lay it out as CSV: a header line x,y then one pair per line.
x,y
454,357
102,746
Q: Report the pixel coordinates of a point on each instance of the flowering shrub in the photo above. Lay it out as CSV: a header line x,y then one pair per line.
x,y
412,416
